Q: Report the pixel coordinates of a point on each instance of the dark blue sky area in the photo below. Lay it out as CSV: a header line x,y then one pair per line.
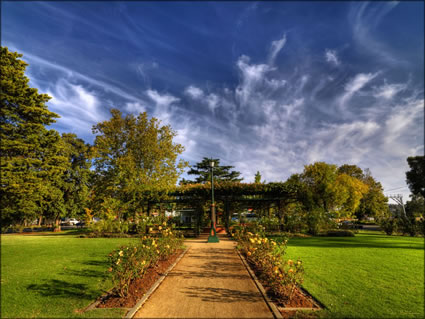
x,y
267,86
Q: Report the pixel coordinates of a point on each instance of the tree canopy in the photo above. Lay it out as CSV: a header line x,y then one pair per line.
x,y
135,159
203,172
415,177
30,155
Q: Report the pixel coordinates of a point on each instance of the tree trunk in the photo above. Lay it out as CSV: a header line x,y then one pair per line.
x,y
57,227
39,220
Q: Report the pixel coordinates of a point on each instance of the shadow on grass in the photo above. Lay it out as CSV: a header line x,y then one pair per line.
x,y
68,232
375,241
64,289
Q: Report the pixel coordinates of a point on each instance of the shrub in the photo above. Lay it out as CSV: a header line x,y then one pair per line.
x,y
282,276
339,233
389,226
132,261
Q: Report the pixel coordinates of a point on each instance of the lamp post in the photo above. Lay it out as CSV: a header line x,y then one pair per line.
x,y
212,238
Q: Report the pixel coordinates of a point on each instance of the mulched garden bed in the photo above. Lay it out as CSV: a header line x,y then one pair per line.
x,y
140,286
301,299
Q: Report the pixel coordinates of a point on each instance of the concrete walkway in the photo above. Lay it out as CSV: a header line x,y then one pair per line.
x,y
210,281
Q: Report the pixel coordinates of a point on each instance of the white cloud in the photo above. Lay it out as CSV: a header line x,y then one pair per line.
x,y
78,107
194,92
364,18
162,100
355,85
275,48
135,107
212,101
388,91
332,57
252,75
71,74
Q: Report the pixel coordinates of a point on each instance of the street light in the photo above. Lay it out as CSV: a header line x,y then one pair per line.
x,y
212,238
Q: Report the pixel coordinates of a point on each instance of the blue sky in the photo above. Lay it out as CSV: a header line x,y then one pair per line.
x,y
268,86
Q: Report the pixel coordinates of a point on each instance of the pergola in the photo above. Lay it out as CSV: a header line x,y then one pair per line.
x,y
196,195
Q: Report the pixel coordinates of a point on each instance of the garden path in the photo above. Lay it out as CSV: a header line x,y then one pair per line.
x,y
210,281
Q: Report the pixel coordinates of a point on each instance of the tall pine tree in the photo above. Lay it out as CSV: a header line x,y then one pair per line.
x,y
29,152
203,172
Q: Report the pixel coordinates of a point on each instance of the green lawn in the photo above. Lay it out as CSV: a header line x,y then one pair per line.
x,y
54,275
368,276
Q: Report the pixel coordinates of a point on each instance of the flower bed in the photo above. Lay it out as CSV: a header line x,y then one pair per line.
x,y
131,262
281,276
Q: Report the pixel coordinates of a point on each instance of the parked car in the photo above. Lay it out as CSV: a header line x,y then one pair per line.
x,y
71,221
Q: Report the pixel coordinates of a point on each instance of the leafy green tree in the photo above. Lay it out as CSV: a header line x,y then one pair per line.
x,y
351,170
135,160
203,172
351,192
374,203
76,179
415,207
24,142
415,177
257,177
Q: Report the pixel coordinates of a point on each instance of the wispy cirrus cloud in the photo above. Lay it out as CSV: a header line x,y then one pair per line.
x,y
332,57
365,17
275,47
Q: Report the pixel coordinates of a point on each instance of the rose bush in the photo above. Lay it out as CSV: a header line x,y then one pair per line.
x,y
282,276
132,261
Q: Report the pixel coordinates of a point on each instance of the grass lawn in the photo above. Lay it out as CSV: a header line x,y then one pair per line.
x,y
54,275
368,276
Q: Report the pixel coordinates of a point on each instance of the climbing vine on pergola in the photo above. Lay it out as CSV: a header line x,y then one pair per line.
x,y
232,192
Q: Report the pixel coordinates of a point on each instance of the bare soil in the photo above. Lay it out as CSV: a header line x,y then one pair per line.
x,y
140,286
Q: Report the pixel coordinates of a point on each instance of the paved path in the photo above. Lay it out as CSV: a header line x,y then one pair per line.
x,y
210,281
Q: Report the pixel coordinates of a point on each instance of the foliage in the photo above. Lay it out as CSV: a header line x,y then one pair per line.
x,y
257,177
76,179
389,225
135,160
415,176
132,261
203,172
32,161
269,223
374,203
282,276
339,233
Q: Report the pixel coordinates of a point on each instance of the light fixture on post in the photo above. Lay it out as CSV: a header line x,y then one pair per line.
x,y
212,238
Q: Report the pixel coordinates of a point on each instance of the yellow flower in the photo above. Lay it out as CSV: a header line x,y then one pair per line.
x,y
248,253
273,243
252,240
280,276
298,262
290,270
160,227
168,246
121,253
118,261
143,262
275,268
290,262
164,224
157,251
150,229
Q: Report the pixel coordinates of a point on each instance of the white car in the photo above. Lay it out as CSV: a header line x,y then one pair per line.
x,y
71,221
